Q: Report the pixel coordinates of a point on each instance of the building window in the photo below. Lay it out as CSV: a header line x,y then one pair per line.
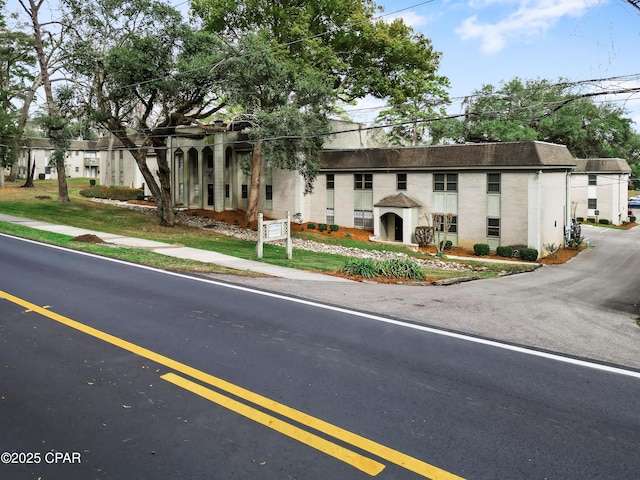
x,y
445,182
593,180
493,183
330,181
593,203
331,216
363,181
453,227
493,227
363,218
269,192
401,181
77,169
227,190
245,191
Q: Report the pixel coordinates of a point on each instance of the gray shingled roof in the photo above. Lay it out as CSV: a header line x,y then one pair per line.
x,y
399,200
508,155
602,165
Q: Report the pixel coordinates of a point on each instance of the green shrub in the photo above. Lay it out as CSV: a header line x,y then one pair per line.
x,y
603,221
632,218
322,227
400,268
41,176
333,227
92,182
591,220
113,193
575,243
311,226
530,254
393,268
447,245
481,249
504,252
580,219
363,267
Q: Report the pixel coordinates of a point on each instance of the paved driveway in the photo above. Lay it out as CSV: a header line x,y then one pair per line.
x,y
587,307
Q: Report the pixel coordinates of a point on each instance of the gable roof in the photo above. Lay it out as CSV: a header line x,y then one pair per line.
x,y
602,165
507,155
399,200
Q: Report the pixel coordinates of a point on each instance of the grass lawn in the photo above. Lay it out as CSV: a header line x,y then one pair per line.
x,y
40,203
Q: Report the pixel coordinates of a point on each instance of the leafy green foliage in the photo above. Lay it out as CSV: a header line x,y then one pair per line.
x,y
399,268
360,267
504,251
540,110
481,249
529,254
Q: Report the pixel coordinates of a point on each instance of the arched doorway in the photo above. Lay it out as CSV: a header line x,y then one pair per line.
x,y
392,227
193,194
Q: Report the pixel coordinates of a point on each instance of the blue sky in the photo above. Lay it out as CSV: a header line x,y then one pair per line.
x,y
490,41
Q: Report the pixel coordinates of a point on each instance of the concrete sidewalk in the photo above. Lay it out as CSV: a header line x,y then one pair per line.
x,y
179,251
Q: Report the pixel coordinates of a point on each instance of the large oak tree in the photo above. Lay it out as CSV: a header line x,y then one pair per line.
x,y
143,71
341,46
539,110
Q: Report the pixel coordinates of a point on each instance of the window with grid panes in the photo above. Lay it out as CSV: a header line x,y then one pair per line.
x,y
445,182
363,181
593,180
493,227
593,203
401,181
493,183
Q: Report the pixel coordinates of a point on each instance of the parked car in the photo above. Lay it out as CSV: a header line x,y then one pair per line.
x,y
634,202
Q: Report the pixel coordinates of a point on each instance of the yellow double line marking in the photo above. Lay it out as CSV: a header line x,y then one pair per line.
x,y
350,457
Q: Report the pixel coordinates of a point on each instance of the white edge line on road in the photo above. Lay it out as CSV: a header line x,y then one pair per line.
x,y
400,323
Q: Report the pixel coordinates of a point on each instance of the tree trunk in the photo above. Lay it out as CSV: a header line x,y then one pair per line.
x,y
63,189
161,194
251,215
165,202
31,170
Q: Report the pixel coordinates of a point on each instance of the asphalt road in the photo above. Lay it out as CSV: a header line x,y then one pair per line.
x,y
588,307
141,374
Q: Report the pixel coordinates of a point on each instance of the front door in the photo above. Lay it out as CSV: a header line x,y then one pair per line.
x,y
398,237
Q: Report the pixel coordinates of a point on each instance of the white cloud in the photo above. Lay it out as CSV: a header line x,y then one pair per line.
x,y
410,18
530,19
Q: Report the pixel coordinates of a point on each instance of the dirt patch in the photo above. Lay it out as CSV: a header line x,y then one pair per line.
x,y
87,238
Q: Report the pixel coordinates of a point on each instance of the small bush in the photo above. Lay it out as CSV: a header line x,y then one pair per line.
x,y
504,252
446,246
400,268
322,227
603,221
333,227
92,182
311,226
363,267
632,218
580,219
530,254
394,268
41,176
575,243
481,249
591,220
112,193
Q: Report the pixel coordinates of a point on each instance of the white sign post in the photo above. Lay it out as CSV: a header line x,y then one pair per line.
x,y
271,230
